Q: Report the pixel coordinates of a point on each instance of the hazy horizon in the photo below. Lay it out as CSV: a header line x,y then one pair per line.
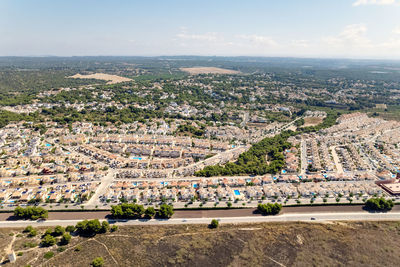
x,y
348,29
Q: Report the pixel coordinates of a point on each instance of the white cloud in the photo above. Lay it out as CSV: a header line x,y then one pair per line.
x,y
396,30
300,43
374,2
352,35
210,36
351,42
258,40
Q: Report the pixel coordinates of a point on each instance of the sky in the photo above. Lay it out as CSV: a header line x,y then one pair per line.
x,y
278,28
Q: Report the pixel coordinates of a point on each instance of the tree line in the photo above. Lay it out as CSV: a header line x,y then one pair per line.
x,y
136,211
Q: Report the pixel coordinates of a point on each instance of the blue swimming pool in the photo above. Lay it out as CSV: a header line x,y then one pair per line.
x,y
48,145
237,192
139,158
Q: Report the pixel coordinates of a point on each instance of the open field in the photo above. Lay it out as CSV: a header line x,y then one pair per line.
x,y
211,70
267,244
112,79
312,121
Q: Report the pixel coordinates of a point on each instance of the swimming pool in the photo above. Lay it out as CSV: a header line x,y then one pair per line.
x,y
48,145
139,158
237,192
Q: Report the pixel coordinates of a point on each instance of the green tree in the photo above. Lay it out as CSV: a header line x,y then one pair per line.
x,y
214,224
105,226
379,204
269,208
165,211
32,213
65,239
70,228
32,233
58,230
150,212
88,227
48,241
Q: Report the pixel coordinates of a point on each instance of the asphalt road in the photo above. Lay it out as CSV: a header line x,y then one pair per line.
x,y
320,213
293,217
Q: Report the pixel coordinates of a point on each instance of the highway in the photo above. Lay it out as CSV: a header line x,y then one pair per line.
x,y
288,217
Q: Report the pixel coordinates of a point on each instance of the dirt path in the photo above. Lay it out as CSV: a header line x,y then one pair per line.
x,y
8,249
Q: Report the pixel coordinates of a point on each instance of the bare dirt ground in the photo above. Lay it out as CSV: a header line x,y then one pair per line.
x,y
205,70
263,244
112,79
312,121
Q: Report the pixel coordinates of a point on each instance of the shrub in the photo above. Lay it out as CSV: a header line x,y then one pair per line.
x,y
32,233
48,255
150,212
114,228
165,211
214,224
20,253
269,209
48,232
105,226
127,210
97,262
48,241
88,227
58,230
379,204
30,244
78,248
70,228
32,213
28,229
65,239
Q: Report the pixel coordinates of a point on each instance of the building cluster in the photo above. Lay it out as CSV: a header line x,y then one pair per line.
x,y
60,193
231,189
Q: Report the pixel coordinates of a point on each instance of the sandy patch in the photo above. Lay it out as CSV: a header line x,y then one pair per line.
x,y
212,70
380,106
312,121
292,128
111,79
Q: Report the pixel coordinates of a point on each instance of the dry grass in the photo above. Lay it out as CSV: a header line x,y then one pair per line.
x,y
312,121
268,244
112,79
206,70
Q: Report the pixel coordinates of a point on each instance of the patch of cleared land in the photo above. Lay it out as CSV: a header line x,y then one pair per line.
x,y
205,70
312,121
111,79
267,244
380,106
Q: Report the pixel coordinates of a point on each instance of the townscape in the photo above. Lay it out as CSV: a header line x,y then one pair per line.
x,y
97,166
199,133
